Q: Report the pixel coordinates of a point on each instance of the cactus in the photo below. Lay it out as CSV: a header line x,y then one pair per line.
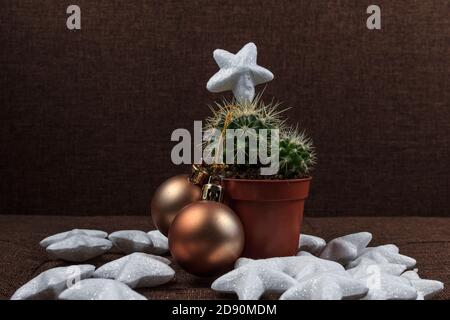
x,y
254,115
297,156
246,116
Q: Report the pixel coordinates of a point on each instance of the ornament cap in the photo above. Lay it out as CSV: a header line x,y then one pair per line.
x,y
213,190
199,175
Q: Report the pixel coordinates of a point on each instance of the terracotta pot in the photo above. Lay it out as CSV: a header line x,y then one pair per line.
x,y
271,212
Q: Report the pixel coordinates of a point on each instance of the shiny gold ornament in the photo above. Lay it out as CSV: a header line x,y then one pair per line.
x,y
206,237
173,195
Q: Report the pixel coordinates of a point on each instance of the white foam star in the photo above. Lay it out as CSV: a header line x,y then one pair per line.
x,y
79,248
347,248
388,253
129,241
367,266
383,286
383,280
252,278
311,244
100,289
137,270
239,73
67,234
336,285
49,284
426,289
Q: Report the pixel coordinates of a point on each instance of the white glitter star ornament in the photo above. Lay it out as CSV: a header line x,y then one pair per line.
x,y
239,73
137,270
65,235
347,248
311,244
367,266
426,289
100,289
383,286
387,253
129,241
79,248
252,278
49,284
336,285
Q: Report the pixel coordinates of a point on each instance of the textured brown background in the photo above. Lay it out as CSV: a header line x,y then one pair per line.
x,y
86,117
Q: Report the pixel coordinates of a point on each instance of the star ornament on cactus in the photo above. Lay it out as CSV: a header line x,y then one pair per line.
x,y
239,73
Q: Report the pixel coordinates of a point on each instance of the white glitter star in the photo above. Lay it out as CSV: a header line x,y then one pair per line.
x,y
137,270
239,73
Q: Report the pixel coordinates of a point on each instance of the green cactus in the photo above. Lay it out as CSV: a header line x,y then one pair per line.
x,y
246,116
297,156
254,115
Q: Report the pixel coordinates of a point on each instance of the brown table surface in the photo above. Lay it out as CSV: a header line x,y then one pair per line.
x,y
21,257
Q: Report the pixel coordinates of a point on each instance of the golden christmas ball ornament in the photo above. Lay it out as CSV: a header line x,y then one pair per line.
x,y
172,196
206,237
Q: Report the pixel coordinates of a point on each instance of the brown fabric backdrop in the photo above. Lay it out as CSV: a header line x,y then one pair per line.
x,y
86,117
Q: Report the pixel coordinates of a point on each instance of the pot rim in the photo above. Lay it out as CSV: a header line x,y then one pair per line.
x,y
308,178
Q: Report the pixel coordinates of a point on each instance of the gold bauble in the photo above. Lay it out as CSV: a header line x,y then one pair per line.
x,y
206,238
173,195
